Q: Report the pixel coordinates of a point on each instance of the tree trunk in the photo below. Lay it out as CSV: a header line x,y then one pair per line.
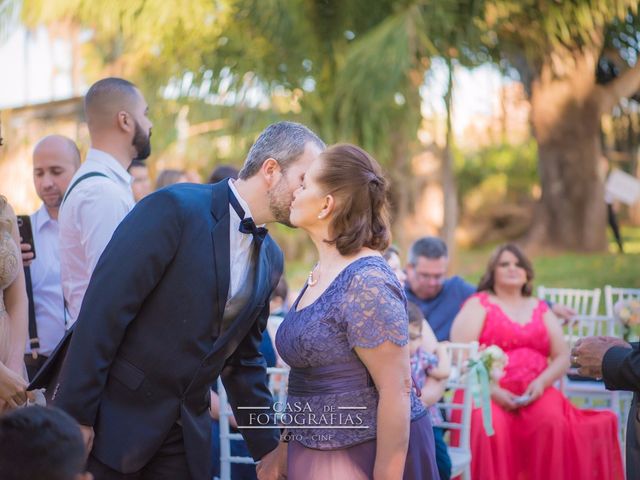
x,y
448,176
400,188
565,114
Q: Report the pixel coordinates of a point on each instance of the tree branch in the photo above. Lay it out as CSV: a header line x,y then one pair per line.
x,y
623,86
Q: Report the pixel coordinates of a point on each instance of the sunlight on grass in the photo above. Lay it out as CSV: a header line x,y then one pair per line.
x,y
570,270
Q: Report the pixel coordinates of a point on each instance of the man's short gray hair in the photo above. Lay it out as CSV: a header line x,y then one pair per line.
x,y
282,141
428,247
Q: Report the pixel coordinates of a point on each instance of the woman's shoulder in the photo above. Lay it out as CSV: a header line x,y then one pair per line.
x,y
6,214
372,264
5,208
371,271
478,299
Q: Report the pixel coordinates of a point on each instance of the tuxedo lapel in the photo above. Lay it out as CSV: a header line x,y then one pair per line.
x,y
235,330
220,239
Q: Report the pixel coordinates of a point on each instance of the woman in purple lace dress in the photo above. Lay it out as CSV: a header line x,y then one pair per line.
x,y
352,412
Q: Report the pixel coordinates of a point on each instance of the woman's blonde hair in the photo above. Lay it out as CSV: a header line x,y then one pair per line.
x,y
5,219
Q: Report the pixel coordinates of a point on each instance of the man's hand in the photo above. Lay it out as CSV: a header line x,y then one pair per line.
x,y
563,312
587,354
273,466
27,254
87,435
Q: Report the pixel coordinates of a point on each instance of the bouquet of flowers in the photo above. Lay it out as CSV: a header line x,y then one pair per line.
x,y
495,360
627,312
486,368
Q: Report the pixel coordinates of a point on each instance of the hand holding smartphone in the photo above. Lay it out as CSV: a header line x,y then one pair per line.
x,y
26,236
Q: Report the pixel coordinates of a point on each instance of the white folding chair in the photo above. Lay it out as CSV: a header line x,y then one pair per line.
x,y
459,380
584,302
277,385
588,326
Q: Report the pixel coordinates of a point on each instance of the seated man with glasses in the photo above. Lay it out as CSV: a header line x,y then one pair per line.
x,y
427,285
440,298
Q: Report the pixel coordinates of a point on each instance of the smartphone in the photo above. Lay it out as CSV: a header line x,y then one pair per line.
x,y
26,233
522,399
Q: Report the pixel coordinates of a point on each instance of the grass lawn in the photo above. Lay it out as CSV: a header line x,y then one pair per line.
x,y
570,270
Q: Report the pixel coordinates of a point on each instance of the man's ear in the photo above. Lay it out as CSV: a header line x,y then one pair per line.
x,y
124,121
270,170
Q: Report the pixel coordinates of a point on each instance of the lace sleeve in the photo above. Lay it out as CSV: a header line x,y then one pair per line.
x,y
375,310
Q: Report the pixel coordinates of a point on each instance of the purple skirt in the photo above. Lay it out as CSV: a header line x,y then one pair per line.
x,y
357,462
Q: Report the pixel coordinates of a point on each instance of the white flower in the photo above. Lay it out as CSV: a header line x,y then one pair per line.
x,y
627,311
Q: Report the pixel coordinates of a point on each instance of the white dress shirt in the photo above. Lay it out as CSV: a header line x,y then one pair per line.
x,y
45,280
88,218
240,245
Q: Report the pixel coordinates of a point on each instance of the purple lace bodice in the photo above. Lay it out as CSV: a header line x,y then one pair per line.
x,y
363,307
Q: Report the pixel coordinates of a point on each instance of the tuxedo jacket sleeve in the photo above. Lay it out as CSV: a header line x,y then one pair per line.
x,y
132,264
621,368
245,380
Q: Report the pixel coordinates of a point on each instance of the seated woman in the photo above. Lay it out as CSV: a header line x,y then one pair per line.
x,y
539,434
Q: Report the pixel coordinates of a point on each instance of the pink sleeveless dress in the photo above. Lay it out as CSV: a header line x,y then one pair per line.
x,y
549,438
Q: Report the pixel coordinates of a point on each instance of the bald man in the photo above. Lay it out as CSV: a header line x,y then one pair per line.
x,y
100,195
55,160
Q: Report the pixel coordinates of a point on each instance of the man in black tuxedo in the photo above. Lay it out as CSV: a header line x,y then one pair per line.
x,y
179,297
618,364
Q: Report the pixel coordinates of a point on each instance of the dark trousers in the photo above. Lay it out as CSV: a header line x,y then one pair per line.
x,y
613,223
169,463
633,441
239,471
34,364
442,455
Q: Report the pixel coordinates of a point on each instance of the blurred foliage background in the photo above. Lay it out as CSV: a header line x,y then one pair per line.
x,y
216,72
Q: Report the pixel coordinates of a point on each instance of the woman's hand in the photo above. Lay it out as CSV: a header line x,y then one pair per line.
x,y
504,398
534,390
13,388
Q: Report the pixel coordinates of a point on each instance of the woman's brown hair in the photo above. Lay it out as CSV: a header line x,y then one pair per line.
x,y
361,217
487,282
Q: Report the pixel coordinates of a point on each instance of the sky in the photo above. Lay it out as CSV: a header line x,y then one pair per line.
x,y
32,60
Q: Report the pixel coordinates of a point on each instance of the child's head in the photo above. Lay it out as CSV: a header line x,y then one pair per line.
x,y
278,298
392,256
416,320
38,442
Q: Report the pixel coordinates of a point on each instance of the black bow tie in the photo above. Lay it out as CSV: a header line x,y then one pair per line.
x,y
247,225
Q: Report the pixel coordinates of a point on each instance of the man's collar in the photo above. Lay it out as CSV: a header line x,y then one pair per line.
x,y
243,203
110,162
41,218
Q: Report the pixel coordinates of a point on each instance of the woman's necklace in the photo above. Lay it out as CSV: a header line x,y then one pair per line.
x,y
311,281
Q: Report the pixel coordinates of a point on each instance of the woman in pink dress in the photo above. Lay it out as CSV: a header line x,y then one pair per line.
x,y
539,434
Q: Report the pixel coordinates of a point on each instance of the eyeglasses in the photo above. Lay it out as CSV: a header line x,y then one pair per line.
x,y
429,276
